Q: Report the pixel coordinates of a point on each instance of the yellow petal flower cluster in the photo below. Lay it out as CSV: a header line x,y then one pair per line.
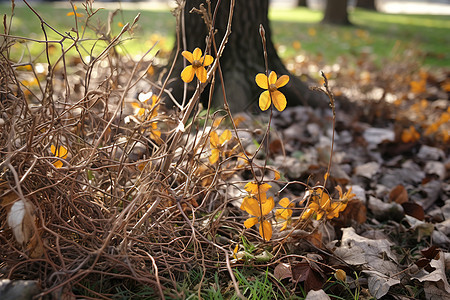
x,y
197,67
259,206
272,95
321,205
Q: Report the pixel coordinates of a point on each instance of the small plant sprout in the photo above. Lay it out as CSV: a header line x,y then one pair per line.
x,y
271,84
197,67
61,153
217,144
259,206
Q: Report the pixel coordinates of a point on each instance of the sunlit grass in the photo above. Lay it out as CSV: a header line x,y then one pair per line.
x,y
296,31
377,34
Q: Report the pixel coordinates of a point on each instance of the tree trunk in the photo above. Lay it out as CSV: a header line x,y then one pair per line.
x,y
367,4
301,3
243,56
336,12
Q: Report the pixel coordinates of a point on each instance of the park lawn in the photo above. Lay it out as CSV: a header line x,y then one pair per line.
x,y
296,32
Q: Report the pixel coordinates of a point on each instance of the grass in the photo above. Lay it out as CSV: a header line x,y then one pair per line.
x,y
374,33
296,31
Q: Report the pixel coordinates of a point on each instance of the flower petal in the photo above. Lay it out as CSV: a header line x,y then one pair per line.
x,y
207,60
272,77
201,74
225,136
62,152
58,164
250,222
282,81
263,188
265,230
279,100
53,149
197,54
285,202
213,139
188,74
267,206
261,81
214,156
264,100
251,206
188,55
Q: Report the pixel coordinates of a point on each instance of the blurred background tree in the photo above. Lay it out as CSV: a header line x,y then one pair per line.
x,y
243,57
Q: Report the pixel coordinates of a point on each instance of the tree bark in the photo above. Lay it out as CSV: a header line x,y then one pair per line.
x,y
301,3
243,56
336,12
367,4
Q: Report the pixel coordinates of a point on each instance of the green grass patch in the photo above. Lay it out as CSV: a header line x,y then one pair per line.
x,y
377,34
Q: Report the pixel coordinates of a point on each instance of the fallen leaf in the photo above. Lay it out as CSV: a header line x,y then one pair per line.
x,y
357,250
398,194
20,219
282,271
303,272
437,276
367,170
379,284
317,295
414,210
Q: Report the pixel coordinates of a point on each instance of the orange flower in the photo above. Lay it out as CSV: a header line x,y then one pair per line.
x,y
271,84
61,152
257,209
217,143
321,205
284,213
198,62
74,12
258,206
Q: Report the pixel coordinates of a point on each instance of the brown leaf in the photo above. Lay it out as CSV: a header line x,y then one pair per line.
x,y
431,252
282,271
398,194
414,210
355,210
302,272
315,238
276,146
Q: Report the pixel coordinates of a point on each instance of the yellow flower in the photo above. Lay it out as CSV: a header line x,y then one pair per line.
x,y
257,209
142,108
72,13
198,62
271,84
217,143
255,189
319,204
284,213
61,152
258,205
